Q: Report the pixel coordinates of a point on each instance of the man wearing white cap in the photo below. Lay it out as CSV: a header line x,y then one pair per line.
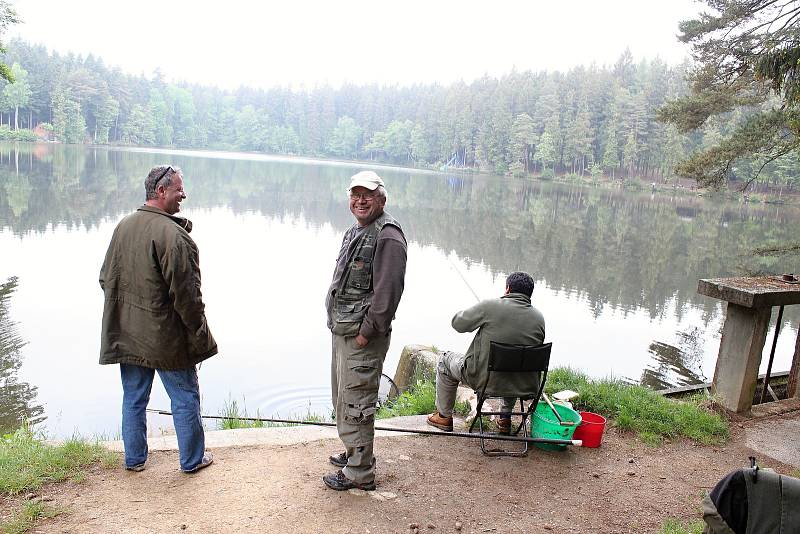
x,y
361,301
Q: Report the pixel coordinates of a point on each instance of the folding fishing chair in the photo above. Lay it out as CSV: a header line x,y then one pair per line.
x,y
528,361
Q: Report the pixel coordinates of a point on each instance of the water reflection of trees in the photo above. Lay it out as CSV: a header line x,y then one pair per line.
x,y
678,364
17,399
613,249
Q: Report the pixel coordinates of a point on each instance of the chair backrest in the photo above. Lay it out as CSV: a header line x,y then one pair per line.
x,y
528,364
508,358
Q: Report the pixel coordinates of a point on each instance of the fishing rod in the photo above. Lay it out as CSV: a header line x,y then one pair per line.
x,y
462,278
575,442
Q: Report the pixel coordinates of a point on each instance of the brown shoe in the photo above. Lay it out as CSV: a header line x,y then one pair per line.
x,y
504,425
442,423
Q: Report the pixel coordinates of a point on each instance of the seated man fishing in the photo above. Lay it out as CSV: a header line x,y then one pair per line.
x,y
508,319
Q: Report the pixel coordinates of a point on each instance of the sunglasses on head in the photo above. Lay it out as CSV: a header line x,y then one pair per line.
x,y
162,175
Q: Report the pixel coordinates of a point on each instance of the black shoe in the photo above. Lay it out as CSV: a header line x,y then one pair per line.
x,y
339,482
339,460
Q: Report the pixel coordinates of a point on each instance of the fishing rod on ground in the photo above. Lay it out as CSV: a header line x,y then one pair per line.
x,y
469,435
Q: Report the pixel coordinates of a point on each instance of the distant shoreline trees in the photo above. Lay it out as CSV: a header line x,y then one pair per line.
x,y
587,120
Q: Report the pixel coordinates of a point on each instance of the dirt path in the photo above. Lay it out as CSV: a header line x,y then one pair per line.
x,y
437,484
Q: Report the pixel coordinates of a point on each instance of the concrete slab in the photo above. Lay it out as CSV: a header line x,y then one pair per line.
x,y
752,291
242,437
777,437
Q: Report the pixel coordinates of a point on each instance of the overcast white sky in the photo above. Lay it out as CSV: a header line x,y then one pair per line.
x,y
268,43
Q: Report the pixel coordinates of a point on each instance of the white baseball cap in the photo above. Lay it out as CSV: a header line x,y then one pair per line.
x,y
368,179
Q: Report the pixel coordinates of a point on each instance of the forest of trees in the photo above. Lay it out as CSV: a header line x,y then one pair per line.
x,y
587,120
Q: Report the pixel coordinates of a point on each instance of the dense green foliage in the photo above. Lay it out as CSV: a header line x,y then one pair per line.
x,y
7,134
635,408
595,118
7,17
26,462
587,120
746,84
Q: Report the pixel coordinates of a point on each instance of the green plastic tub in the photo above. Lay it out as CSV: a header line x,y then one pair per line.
x,y
544,424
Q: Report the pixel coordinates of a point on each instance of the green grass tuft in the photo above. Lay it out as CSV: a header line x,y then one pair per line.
x,y
26,462
673,526
233,414
419,399
25,519
236,417
637,409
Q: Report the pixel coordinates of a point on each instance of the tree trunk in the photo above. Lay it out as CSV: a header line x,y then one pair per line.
x,y
16,118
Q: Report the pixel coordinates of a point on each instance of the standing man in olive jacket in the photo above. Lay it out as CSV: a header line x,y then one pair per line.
x,y
361,302
154,318
509,319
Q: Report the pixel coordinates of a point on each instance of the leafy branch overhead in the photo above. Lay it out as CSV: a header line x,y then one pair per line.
x,y
7,17
747,71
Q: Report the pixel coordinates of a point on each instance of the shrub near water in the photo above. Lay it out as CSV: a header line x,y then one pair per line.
x,y
635,408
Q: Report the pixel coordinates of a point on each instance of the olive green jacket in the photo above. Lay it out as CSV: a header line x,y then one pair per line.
x,y
509,319
154,314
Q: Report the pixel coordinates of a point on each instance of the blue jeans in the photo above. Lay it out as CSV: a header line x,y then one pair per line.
x,y
184,394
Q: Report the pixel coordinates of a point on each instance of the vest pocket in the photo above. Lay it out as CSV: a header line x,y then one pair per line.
x,y
360,275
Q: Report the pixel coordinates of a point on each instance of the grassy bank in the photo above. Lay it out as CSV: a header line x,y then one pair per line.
x,y
633,408
27,463
638,409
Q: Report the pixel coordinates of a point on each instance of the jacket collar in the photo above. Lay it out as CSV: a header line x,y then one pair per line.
x,y
519,297
186,224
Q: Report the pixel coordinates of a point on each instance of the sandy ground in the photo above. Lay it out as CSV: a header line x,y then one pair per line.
x,y
425,484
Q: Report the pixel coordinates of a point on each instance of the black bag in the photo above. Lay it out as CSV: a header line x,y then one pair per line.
x,y
753,501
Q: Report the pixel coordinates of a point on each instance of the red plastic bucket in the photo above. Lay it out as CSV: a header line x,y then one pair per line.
x,y
591,429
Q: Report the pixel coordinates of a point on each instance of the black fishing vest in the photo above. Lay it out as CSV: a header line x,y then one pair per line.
x,y
354,294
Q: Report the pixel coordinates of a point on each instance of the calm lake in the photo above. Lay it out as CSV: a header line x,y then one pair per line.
x,y
616,274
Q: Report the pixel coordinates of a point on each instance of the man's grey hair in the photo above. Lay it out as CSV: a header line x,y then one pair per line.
x,y
159,175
